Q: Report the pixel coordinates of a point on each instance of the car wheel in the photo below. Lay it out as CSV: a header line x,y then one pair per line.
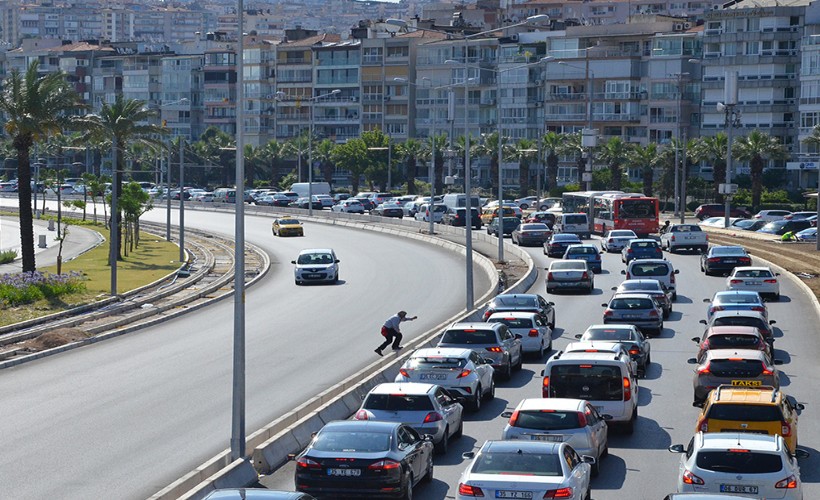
x,y
507,374
336,279
777,297
298,282
408,491
475,404
520,363
545,252
490,394
629,427
441,446
428,474
648,359
596,469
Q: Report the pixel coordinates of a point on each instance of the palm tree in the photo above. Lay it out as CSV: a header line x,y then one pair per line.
x,y
645,158
298,147
572,145
376,170
488,146
218,147
410,151
254,157
757,148
274,153
526,150
34,107
551,143
440,142
712,149
321,154
614,153
125,122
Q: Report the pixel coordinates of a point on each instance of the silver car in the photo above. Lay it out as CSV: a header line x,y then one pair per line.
x,y
637,309
615,239
493,340
572,421
574,274
316,265
461,371
536,336
427,408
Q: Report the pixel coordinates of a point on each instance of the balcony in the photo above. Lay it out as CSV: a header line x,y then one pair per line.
x,y
352,118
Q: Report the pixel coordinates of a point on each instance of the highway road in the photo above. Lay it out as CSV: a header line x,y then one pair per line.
x,y
126,417
639,466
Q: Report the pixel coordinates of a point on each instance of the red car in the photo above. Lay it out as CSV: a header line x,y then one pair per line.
x,y
718,210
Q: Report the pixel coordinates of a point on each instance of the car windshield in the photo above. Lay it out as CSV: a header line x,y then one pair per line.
x,y
590,382
739,461
311,259
526,464
729,341
436,363
513,322
515,301
647,285
745,412
775,224
582,250
548,420
351,441
728,252
575,219
398,402
631,303
737,298
643,244
534,227
608,334
644,269
752,273
468,337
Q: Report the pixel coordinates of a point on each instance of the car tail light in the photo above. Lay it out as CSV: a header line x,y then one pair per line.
x,y
559,493
307,463
627,389
404,373
703,425
672,238
653,314
608,313
468,390
704,345
495,349
514,418
545,387
533,333
628,250
704,370
672,278
433,416
759,309
582,419
735,282
469,491
713,259
689,478
611,240
756,216
585,276
745,260
549,276
788,483
785,429
707,237
770,281
487,314
716,308
628,276
385,464
464,373
361,415
767,370
634,350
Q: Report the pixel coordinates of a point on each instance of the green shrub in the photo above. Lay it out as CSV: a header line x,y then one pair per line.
x,y
7,256
25,288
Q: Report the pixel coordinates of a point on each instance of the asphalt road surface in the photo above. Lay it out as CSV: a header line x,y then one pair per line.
x,y
639,466
126,417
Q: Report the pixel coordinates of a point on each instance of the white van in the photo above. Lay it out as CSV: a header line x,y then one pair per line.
x,y
575,223
456,200
605,377
302,188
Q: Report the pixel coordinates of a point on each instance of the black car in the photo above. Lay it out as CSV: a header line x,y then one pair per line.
x,y
722,259
367,203
303,203
523,302
661,293
781,227
364,458
457,216
749,224
557,245
510,225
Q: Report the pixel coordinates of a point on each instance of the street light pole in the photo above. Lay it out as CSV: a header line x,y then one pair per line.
x,y
182,199
468,174
679,202
588,137
168,194
731,121
115,219
310,147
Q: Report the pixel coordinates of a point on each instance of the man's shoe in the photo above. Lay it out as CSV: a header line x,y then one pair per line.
x,y
378,352
398,348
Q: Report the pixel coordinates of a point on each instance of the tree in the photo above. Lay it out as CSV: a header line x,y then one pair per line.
x,y
488,146
254,157
526,150
410,151
712,149
572,146
376,171
552,146
134,203
645,158
352,156
274,153
124,122
322,154
614,153
757,148
34,107
215,146
298,147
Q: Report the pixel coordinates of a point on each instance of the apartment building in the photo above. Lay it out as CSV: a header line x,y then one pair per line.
x,y
182,106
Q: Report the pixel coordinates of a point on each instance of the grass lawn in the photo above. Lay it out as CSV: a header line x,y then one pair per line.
x,y
152,260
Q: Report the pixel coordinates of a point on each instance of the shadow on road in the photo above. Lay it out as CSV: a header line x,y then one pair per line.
x,y
648,436
613,474
683,299
810,467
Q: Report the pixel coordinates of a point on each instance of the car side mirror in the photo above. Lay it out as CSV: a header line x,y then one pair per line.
x,y
293,262
800,454
468,454
507,414
604,305
519,336
800,407
772,322
579,335
696,340
706,301
542,373
698,404
606,416
551,303
291,456
677,271
777,274
337,261
428,437
623,271
692,361
487,361
702,322
614,288
677,448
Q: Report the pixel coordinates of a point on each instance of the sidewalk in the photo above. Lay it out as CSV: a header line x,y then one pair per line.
x,y
79,240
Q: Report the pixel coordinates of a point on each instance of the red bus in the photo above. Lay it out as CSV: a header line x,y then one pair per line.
x,y
625,211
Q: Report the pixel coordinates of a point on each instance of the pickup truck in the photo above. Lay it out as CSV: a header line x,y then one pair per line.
x,y
679,236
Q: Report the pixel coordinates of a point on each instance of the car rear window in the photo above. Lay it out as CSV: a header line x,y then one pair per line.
x,y
528,464
534,227
642,269
622,234
469,337
516,301
643,286
436,363
547,420
591,382
739,461
575,219
398,402
568,266
351,441
753,273
741,368
644,244
729,341
739,298
583,251
513,322
728,252
740,321
607,334
631,303
745,412
686,229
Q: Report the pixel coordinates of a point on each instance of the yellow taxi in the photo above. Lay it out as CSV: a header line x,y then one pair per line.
x,y
287,227
762,410
488,214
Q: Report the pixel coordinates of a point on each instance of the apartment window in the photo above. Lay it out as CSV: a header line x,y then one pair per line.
x,y
398,52
753,24
752,48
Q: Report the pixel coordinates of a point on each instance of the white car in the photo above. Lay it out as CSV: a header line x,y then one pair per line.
x,y
526,202
560,420
771,215
758,279
424,213
350,206
525,469
460,371
615,239
536,336
316,265
679,236
326,199
757,465
570,274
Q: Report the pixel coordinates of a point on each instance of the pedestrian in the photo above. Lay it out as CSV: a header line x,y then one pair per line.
x,y
665,227
391,331
788,236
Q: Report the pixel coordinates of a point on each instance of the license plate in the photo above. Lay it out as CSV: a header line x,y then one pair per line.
x,y
552,438
313,276
536,234
730,261
631,316
344,472
432,376
753,283
513,494
738,488
747,383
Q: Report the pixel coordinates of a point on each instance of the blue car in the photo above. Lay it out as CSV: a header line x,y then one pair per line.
x,y
642,248
589,253
736,300
809,234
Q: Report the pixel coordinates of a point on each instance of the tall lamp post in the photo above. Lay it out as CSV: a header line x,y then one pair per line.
x,y
731,120
588,136
312,101
680,204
